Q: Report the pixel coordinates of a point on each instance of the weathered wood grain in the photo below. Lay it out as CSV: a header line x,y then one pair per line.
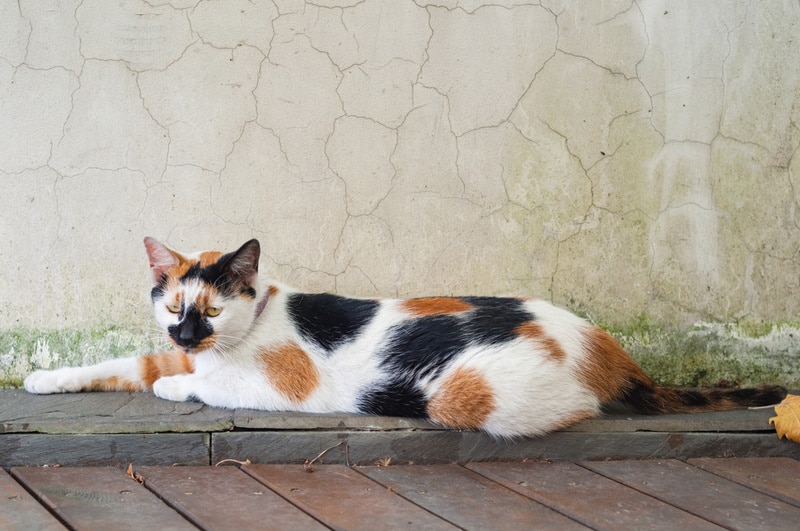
x,y
778,477
224,498
342,498
467,499
702,493
654,494
99,498
21,511
588,497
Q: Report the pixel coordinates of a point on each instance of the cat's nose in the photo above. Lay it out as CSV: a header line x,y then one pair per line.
x,y
187,332
190,331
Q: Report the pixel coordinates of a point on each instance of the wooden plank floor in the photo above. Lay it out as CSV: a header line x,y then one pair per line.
x,y
705,493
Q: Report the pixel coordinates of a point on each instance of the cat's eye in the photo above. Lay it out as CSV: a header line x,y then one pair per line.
x,y
174,308
213,311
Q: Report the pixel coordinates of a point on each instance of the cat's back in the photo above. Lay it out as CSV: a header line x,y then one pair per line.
x,y
417,336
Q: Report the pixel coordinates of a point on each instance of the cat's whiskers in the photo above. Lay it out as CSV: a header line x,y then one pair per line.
x,y
158,337
225,344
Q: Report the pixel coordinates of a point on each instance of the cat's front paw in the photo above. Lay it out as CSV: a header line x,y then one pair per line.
x,y
175,388
57,381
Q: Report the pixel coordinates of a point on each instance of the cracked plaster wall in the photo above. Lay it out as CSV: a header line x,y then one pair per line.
x,y
625,157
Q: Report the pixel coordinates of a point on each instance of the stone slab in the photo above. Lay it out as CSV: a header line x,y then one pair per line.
x,y
104,449
282,420
426,447
741,420
367,448
565,446
21,412
116,428
119,412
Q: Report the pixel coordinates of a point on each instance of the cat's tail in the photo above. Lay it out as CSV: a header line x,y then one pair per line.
x,y
615,377
650,398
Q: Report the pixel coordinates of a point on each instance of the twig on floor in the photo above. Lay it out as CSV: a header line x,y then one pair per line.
x,y
307,465
242,463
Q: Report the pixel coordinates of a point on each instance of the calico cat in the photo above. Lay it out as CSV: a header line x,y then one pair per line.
x,y
509,366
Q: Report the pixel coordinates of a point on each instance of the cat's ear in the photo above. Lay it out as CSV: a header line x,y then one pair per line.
x,y
243,265
161,258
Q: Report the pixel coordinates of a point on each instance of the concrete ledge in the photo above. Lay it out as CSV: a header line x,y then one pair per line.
x,y
120,428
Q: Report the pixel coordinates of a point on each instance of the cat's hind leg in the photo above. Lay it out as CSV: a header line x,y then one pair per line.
x,y
124,374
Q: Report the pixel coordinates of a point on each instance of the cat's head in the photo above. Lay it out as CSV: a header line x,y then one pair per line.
x,y
204,300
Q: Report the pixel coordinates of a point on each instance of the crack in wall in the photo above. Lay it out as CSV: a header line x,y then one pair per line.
x,y
255,121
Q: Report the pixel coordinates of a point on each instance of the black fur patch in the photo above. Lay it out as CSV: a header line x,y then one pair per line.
x,y
766,395
397,399
217,275
425,344
494,319
191,329
642,397
329,320
157,291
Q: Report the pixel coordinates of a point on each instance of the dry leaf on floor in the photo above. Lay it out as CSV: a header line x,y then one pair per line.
x,y
133,475
787,420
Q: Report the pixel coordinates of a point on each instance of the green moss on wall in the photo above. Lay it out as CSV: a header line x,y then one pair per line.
x,y
24,350
743,354
707,354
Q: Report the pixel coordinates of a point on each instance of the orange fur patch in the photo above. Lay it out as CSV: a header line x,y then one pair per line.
x,y
534,331
209,257
206,343
204,298
179,270
465,400
176,297
205,259
114,383
435,306
607,368
155,366
272,290
289,368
